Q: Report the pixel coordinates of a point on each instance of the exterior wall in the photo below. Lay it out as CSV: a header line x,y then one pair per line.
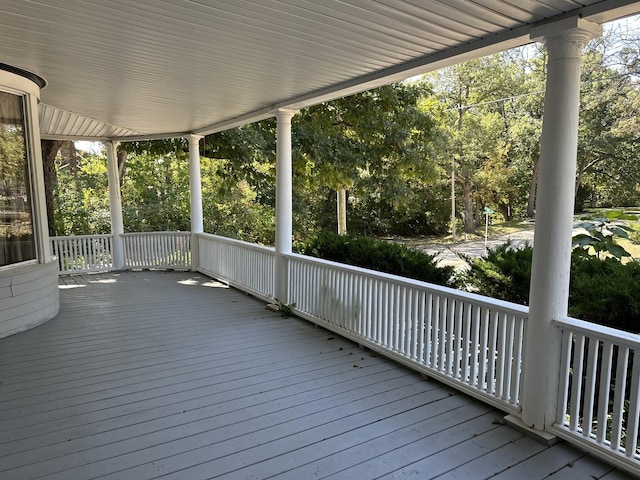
x,y
29,291
28,296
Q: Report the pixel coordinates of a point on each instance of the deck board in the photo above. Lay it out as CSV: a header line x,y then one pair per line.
x,y
155,374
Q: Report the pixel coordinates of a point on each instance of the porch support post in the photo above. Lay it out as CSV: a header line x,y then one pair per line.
x,y
195,190
115,206
284,210
564,41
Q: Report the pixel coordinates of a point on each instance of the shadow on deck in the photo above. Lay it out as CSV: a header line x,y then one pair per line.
x,y
173,375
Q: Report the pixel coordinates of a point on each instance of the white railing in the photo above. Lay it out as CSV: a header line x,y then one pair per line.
x,y
157,250
82,253
471,342
598,404
246,266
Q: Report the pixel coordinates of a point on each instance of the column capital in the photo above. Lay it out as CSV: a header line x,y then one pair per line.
x,y
284,114
566,37
192,137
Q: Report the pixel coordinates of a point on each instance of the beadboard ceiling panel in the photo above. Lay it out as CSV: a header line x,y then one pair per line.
x,y
152,68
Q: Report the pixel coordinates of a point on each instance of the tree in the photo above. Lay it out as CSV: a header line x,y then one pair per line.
x,y
155,192
607,172
375,140
478,94
81,195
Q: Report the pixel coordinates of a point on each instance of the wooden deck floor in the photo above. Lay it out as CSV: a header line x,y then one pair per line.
x,y
154,374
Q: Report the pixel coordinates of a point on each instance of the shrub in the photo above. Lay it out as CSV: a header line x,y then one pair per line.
x,y
606,291
503,273
602,290
379,255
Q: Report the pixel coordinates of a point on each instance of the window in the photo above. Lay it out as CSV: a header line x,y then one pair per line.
x,y
17,242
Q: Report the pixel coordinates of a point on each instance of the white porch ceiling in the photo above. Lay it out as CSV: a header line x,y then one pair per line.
x,y
153,68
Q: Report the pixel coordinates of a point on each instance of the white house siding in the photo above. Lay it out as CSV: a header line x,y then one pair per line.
x,y
28,297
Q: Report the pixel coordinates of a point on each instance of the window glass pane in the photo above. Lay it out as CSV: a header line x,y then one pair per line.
x,y
17,243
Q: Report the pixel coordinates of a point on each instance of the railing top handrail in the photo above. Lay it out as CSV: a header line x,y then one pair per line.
x,y
234,241
492,303
613,335
151,234
69,237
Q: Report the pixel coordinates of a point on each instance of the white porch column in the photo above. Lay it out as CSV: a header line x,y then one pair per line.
x,y
115,205
195,190
564,41
284,211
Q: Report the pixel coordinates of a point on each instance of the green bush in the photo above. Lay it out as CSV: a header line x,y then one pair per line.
x,y
379,255
606,291
503,273
602,290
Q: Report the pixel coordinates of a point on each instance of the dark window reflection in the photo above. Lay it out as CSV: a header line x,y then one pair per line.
x,y
17,243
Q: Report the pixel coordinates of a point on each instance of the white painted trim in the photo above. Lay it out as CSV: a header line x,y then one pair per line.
x,y
30,93
19,85
448,291
26,263
39,205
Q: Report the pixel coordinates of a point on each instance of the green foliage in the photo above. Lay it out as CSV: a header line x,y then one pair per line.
x,y
609,125
634,234
606,291
378,145
603,290
230,207
379,255
600,235
285,309
155,192
503,273
82,199
484,121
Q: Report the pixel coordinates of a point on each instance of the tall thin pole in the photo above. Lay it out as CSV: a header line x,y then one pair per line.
x,y
453,199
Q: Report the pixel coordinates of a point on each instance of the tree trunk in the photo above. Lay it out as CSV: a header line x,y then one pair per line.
x,y
479,218
467,200
122,165
533,185
50,150
453,199
505,211
579,175
341,196
69,155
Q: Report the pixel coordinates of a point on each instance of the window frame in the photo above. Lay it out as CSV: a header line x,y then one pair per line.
x,y
21,84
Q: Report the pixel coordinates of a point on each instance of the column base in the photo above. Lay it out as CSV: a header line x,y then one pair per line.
x,y
545,438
